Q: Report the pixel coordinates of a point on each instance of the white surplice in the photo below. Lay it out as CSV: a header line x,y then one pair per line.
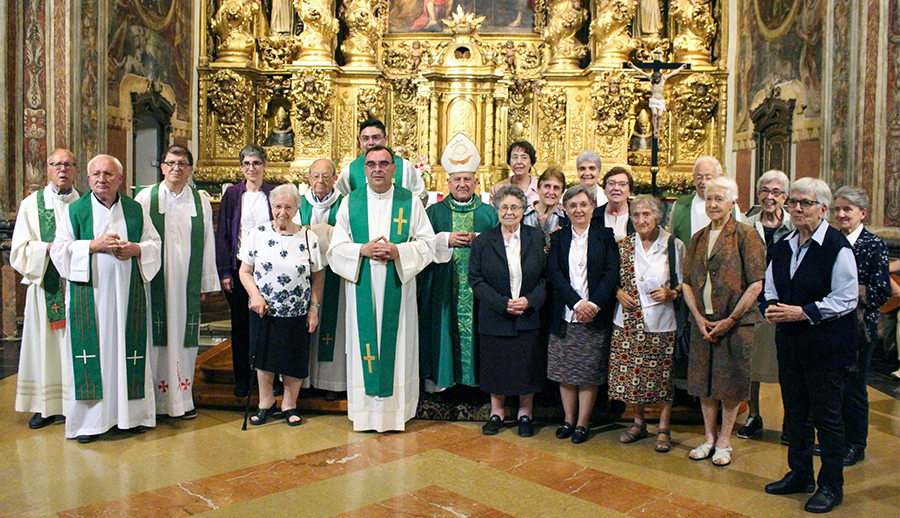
x,y
326,375
112,281
173,365
368,412
41,386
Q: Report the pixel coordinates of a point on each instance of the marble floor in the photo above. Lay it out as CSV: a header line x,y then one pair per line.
x,y
434,469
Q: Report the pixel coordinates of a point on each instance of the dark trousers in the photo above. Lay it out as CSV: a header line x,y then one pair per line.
x,y
856,399
239,302
812,405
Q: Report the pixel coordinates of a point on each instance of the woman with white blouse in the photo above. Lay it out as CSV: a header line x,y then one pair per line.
x,y
282,271
644,323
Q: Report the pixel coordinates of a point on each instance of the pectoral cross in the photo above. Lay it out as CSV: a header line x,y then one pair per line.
x,y
134,356
368,358
400,221
84,356
327,339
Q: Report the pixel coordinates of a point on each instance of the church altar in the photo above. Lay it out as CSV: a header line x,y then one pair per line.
x,y
298,77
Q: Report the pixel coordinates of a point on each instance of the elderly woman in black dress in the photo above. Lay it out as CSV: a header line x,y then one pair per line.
x,y
851,206
281,269
506,271
644,329
583,270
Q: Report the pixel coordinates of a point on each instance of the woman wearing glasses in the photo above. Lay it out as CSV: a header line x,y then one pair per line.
x,y
244,206
506,271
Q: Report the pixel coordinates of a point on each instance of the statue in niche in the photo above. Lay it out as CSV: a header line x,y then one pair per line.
x,y
647,19
641,136
509,52
415,56
282,17
657,93
282,133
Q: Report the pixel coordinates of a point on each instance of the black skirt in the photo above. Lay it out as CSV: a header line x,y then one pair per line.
x,y
280,345
513,366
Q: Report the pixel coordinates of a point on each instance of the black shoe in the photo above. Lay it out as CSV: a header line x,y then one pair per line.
x,y
526,428
854,454
752,429
817,450
790,484
493,426
84,439
564,431
785,440
241,389
580,435
39,421
824,500
137,430
190,414
331,395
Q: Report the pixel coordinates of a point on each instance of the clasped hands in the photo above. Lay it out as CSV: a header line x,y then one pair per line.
x,y
517,306
109,243
779,312
380,249
460,239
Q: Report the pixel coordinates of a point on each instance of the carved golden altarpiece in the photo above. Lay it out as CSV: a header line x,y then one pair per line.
x,y
493,86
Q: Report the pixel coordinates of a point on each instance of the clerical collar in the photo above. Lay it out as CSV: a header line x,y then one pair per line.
x,y
316,198
462,203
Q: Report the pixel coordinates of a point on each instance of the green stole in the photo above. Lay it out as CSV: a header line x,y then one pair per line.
x,y
83,320
332,292
378,366
357,172
195,274
53,293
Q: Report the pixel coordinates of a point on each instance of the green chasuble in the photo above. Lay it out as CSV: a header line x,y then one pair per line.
x,y
83,321
195,274
446,329
332,291
358,173
378,356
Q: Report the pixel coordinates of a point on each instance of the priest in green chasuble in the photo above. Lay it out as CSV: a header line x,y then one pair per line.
x,y
327,354
446,335
373,133
108,251
182,216
381,241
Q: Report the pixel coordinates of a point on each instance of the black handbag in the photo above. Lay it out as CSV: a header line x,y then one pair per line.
x,y
683,334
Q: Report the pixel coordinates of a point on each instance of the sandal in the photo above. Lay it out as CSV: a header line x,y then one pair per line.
x,y
292,412
722,457
629,437
663,445
262,415
702,452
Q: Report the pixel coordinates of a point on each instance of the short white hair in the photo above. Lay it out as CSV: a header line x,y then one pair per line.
x,y
813,186
723,182
708,159
283,191
773,176
111,158
588,156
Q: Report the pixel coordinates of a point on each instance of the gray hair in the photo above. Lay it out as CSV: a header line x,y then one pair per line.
x,y
328,161
111,158
708,159
575,190
588,156
284,191
508,190
775,176
649,201
60,150
252,150
723,182
813,186
854,195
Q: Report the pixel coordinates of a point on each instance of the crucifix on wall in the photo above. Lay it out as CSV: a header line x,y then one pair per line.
x,y
657,101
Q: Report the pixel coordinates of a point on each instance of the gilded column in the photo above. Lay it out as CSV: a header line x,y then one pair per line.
x,y
319,35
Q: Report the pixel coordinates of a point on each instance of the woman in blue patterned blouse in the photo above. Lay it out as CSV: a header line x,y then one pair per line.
x,y
281,269
851,206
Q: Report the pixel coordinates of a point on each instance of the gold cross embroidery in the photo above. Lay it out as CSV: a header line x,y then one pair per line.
x,y
400,221
55,307
368,358
327,339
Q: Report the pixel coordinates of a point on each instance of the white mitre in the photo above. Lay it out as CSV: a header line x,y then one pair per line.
x,y
460,155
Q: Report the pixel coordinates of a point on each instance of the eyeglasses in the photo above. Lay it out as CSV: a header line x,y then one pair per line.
x,y
610,183
765,192
384,164
509,208
172,165
254,163
804,204
60,165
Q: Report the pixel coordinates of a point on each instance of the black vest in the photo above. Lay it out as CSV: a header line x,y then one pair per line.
x,y
830,344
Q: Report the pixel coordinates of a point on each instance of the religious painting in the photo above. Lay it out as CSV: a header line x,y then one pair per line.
x,y
426,15
152,39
